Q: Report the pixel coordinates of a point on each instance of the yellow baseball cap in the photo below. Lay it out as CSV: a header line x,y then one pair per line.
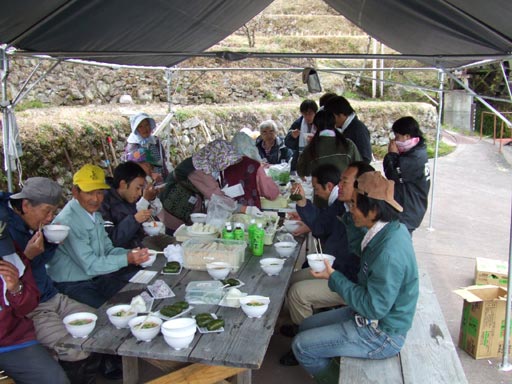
x,y
90,178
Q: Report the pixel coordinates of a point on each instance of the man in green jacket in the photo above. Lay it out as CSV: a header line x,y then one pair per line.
x,y
381,305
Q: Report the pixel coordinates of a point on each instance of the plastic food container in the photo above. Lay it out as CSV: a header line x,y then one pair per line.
x,y
204,292
198,252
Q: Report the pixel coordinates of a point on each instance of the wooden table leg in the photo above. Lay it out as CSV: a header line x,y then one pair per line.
x,y
130,370
244,377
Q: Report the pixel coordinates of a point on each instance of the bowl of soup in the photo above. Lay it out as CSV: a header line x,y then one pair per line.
x,y
80,324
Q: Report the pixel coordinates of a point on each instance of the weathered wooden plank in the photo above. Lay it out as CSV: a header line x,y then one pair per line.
x,y
429,355
386,371
130,370
197,374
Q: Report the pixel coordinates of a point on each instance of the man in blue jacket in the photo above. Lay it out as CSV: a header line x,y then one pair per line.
x,y
381,305
27,212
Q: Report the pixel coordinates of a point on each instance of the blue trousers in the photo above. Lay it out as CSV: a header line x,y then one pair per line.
x,y
95,292
335,333
32,365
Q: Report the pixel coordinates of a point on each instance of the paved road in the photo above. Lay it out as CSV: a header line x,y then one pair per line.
x,y
471,219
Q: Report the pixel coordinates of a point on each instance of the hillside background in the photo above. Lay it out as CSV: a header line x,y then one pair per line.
x,y
65,120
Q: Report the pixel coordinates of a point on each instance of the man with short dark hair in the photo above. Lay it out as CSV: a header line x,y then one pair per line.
x,y
27,212
302,130
87,266
381,305
348,124
122,220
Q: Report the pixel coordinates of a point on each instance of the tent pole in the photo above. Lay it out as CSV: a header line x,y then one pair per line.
x,y
505,363
6,120
438,137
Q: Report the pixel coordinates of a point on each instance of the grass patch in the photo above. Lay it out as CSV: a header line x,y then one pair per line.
x,y
29,105
379,151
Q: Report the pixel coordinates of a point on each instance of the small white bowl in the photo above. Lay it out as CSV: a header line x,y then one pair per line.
x,y
291,225
55,233
180,327
218,270
316,261
198,217
152,228
145,334
285,248
120,321
80,330
178,343
272,265
254,306
149,262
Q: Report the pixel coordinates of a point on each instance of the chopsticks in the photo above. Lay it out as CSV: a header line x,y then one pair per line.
x,y
318,248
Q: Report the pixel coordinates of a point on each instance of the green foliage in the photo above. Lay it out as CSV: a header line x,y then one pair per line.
x,y
182,115
31,104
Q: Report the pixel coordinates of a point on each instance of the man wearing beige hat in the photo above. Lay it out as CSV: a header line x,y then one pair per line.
x,y
86,266
381,305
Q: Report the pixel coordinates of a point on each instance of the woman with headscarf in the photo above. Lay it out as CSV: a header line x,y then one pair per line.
x,y
249,174
142,137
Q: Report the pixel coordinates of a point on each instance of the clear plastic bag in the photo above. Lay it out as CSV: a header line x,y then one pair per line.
x,y
280,173
220,209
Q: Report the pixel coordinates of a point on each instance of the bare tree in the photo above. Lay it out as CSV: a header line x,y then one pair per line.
x,y
250,29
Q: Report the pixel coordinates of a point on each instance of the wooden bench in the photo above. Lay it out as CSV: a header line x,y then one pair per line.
x,y
428,356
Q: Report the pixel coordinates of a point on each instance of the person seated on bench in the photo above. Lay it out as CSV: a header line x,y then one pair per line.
x,y
86,266
307,293
381,305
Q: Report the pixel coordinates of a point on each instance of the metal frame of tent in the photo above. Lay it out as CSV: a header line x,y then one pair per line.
x,y
9,132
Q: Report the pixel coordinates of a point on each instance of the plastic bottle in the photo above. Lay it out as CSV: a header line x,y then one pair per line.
x,y
227,232
250,232
238,233
258,240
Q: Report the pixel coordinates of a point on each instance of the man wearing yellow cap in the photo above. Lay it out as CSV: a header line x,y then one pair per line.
x,y
86,266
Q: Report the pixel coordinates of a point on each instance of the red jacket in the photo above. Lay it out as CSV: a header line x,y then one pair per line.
x,y
244,173
15,327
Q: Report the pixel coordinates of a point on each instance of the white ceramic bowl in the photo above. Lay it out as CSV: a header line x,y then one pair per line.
x,y
120,321
179,343
179,327
152,228
55,233
198,217
316,261
291,225
272,265
284,248
254,306
80,330
145,334
218,270
150,261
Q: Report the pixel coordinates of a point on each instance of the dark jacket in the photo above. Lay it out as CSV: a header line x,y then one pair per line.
x,y
293,143
21,234
359,134
326,225
120,223
411,175
278,152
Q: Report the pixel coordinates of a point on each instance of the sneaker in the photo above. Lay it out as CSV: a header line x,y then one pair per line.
x,y
289,330
288,359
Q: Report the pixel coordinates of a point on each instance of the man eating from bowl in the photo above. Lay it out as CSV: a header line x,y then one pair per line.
x,y
123,221
26,213
87,266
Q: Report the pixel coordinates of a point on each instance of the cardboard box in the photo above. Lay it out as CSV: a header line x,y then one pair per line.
x,y
490,271
482,326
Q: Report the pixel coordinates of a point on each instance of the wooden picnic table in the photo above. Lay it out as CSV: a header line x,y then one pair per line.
x,y
234,352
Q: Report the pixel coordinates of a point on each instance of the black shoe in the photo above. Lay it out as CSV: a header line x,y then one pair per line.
x,y
288,359
111,367
289,330
82,371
